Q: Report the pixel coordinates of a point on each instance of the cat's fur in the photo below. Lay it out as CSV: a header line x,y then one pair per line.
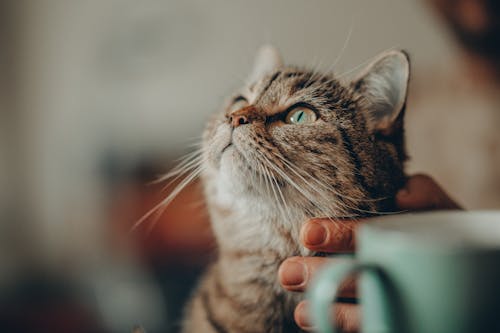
x,y
263,178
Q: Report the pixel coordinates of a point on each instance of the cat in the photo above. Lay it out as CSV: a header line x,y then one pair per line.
x,y
290,145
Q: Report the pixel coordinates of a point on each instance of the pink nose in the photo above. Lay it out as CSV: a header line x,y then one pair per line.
x,y
238,120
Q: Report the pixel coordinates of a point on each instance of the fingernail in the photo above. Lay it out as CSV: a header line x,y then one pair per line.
x,y
303,318
314,234
294,274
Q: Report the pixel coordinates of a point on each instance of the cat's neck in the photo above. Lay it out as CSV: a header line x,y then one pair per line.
x,y
253,223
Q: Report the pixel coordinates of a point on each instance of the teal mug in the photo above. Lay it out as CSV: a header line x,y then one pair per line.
x,y
420,273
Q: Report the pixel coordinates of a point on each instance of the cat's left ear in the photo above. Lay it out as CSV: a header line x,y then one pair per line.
x,y
384,85
268,60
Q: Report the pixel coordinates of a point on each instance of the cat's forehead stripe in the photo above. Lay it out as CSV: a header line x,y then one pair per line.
x,y
268,85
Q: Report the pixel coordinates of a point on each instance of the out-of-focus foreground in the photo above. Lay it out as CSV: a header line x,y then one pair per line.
x,y
99,97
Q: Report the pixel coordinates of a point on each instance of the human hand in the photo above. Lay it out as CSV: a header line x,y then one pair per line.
x,y
322,235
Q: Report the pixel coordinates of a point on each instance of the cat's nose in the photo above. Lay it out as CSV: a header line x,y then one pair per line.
x,y
237,120
244,116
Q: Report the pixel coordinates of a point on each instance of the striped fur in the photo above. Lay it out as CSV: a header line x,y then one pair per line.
x,y
263,179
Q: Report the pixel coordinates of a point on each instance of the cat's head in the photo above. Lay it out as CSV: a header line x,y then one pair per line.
x,y
302,138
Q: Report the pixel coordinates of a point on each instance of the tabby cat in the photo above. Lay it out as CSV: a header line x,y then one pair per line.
x,y
290,145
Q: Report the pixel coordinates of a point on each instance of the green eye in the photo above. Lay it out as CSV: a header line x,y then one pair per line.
x,y
300,115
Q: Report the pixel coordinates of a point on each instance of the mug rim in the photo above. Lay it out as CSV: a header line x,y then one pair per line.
x,y
439,229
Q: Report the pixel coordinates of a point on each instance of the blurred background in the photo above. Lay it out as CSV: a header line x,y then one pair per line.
x,y
98,98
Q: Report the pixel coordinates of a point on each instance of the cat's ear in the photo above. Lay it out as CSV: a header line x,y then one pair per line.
x,y
268,59
384,84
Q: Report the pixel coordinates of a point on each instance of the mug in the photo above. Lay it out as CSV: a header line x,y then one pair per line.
x,y
420,273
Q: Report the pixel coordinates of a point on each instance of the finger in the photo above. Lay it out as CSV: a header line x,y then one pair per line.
x,y
296,273
327,235
346,317
421,192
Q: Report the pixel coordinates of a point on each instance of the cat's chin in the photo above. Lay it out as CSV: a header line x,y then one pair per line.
x,y
233,164
234,174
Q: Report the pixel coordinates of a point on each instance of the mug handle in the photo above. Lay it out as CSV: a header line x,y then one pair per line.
x,y
325,288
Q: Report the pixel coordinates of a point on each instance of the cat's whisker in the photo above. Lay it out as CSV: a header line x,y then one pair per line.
x,y
300,176
274,191
165,202
264,178
195,141
345,199
316,63
307,195
180,170
344,47
322,184
258,175
354,200
287,212
355,68
286,208
363,64
155,218
185,163
317,69
189,156
328,188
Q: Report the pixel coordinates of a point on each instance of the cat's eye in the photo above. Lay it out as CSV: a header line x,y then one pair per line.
x,y
300,115
238,103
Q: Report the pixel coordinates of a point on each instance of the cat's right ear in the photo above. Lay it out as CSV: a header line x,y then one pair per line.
x,y
384,86
268,59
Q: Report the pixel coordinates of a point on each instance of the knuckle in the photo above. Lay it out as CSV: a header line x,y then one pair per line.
x,y
344,319
340,317
349,238
345,239
423,178
426,184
